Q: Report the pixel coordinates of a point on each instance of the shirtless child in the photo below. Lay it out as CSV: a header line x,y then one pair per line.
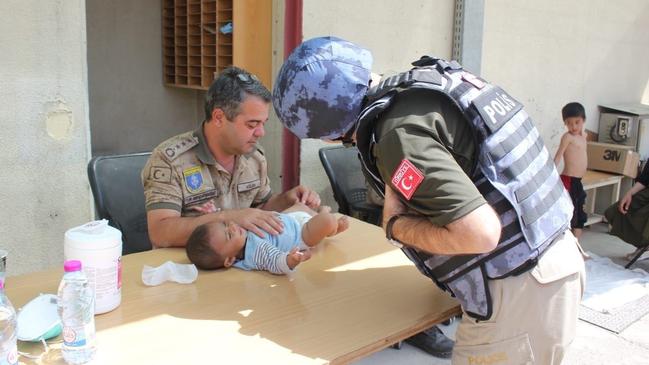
x,y
573,151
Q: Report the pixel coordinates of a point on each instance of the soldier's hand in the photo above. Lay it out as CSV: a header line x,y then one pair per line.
x,y
255,220
304,195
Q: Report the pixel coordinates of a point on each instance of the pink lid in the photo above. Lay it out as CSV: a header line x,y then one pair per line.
x,y
72,265
2,284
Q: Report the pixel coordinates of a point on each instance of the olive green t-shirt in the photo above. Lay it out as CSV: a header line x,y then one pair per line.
x,y
430,132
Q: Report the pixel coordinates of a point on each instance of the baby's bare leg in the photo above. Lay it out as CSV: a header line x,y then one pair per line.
x,y
322,225
299,207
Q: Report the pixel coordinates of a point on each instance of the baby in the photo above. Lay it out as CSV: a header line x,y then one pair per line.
x,y
216,244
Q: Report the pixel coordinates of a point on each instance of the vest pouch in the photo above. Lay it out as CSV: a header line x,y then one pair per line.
x,y
472,290
513,171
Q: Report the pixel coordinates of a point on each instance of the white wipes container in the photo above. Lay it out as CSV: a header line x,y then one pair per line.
x,y
99,247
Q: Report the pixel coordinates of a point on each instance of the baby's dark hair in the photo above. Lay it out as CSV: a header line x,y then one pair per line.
x,y
200,252
572,110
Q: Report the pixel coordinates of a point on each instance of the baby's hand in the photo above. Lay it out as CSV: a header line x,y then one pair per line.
x,y
296,256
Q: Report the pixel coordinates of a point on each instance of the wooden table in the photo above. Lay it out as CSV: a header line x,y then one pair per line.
x,y
596,179
357,295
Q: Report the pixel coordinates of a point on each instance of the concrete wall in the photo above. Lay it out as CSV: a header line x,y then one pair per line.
x,y
396,32
545,54
130,108
549,53
45,137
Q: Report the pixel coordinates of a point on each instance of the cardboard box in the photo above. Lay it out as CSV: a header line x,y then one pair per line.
x,y
614,158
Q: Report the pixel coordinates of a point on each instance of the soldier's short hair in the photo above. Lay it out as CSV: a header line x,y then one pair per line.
x,y
230,89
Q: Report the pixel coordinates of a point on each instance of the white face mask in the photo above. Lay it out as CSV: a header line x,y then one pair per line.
x,y
38,320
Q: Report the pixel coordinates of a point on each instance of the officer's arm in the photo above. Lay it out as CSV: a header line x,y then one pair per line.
x,y
168,229
450,215
476,232
299,194
277,203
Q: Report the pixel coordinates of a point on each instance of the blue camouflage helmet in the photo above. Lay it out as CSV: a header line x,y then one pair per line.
x,y
320,88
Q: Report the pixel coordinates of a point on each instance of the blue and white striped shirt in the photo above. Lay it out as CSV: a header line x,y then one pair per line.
x,y
270,253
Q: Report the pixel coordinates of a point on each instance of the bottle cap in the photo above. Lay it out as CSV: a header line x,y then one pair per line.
x,y
72,265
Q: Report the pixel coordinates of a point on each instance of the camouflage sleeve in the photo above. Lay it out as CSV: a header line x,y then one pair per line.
x,y
162,189
265,190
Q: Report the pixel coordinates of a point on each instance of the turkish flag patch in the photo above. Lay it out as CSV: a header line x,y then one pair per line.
x,y
406,178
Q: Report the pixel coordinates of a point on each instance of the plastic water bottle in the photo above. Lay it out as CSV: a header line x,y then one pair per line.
x,y
76,306
8,350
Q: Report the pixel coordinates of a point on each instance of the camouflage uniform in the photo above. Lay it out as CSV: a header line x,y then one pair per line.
x,y
182,173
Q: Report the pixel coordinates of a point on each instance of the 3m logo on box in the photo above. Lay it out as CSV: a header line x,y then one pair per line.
x,y
406,178
618,159
610,155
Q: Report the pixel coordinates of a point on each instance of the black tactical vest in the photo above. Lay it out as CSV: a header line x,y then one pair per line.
x,y
514,172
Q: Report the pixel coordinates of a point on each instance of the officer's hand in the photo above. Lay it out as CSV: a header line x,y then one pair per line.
x,y
392,205
255,220
296,256
304,195
623,207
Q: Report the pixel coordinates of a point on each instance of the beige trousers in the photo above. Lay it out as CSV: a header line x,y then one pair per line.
x,y
534,314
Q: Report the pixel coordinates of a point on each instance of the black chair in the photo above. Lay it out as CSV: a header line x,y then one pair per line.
x,y
119,197
343,169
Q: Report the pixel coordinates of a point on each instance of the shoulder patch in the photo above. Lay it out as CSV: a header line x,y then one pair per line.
x,y
160,174
406,178
193,179
175,146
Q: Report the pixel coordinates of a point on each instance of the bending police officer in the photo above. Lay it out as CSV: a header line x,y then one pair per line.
x,y
470,190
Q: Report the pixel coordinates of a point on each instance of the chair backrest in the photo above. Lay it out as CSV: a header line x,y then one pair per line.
x,y
119,197
343,169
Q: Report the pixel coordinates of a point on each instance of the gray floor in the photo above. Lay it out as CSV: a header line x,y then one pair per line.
x,y
593,345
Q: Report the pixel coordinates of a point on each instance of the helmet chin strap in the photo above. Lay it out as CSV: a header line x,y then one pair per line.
x,y
348,137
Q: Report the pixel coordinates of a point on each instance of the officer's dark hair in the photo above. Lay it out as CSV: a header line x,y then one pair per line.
x,y
230,89
200,252
572,110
